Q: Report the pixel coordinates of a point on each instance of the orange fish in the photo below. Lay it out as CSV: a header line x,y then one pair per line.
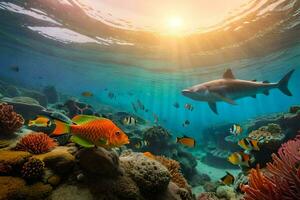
x,y
88,131
149,155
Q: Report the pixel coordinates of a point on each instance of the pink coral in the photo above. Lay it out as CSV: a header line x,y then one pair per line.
x,y
282,179
36,143
10,121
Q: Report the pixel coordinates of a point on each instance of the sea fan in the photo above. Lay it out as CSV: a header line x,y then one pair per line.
x,y
282,178
10,121
36,143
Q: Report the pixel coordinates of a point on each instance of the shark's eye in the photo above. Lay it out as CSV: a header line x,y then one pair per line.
x,y
118,133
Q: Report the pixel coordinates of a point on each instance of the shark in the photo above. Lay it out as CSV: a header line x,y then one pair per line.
x,y
228,89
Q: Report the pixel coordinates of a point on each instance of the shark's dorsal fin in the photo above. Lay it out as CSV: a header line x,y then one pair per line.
x,y
228,74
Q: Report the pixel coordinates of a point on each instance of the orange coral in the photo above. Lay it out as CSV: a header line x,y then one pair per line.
x,y
174,168
282,182
10,121
36,143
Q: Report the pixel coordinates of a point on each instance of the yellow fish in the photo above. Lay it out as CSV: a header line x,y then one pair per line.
x,y
249,144
40,121
87,94
241,158
236,129
228,179
129,121
149,155
187,141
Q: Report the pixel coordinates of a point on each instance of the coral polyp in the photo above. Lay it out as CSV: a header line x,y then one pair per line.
x,y
33,169
10,121
36,143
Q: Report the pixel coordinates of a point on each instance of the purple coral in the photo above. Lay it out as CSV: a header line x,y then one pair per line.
x,y
10,121
282,179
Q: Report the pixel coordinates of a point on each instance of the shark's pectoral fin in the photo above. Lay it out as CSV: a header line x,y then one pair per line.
x,y
266,92
213,107
254,96
224,98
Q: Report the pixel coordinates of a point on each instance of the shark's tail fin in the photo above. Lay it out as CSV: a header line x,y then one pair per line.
x,y
283,83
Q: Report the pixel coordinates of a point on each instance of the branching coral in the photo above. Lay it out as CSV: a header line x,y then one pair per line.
x,y
174,168
282,180
10,121
36,143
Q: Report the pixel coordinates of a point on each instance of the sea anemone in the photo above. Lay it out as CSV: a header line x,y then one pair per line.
x,y
281,181
174,168
10,121
36,143
33,169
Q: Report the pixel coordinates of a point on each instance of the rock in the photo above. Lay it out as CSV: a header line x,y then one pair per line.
x,y
149,174
11,91
226,192
16,188
29,108
71,192
207,196
51,94
41,98
98,161
14,157
54,180
60,160
294,109
200,179
74,107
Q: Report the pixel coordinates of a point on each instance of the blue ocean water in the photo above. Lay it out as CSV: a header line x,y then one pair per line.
x,y
76,67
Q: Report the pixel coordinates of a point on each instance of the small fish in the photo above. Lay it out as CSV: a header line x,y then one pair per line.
x,y
248,144
155,118
240,158
88,130
228,179
186,123
111,95
187,141
87,94
129,121
189,106
134,107
176,105
149,155
40,121
140,105
236,129
141,144
14,68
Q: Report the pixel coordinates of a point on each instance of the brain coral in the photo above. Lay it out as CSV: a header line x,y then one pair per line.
x,y
149,174
10,121
36,143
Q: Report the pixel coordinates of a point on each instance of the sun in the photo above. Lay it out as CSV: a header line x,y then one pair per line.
x,y
175,25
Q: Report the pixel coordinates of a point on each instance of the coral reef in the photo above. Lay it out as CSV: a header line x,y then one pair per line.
x,y
27,107
33,169
10,121
149,174
282,179
207,196
99,162
13,157
51,94
226,192
16,188
174,168
36,143
73,107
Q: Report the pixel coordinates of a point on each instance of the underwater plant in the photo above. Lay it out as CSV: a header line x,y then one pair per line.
x,y
10,121
282,179
36,143
33,169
